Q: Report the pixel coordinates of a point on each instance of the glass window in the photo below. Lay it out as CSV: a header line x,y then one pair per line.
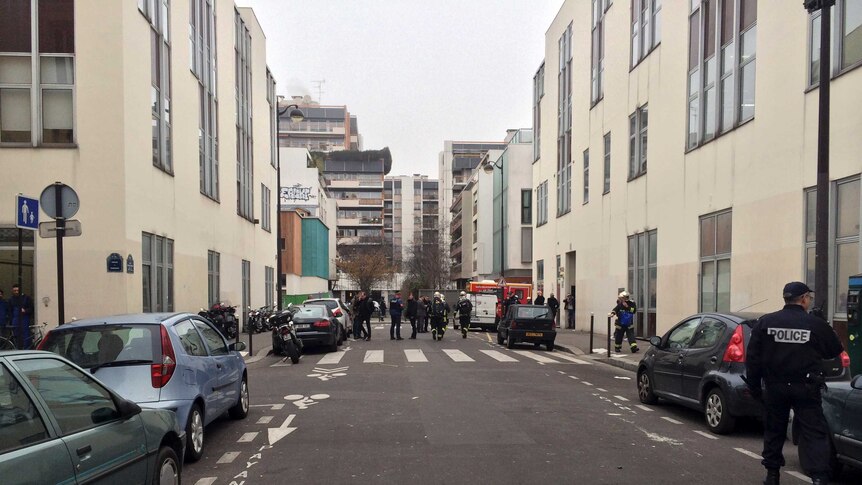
x,y
851,51
848,209
586,176
15,26
215,342
708,334
607,165
76,401
56,26
680,337
20,422
707,285
638,142
15,115
526,207
715,253
57,116
190,339
94,346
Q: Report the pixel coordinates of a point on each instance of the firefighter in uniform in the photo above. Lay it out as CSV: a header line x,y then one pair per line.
x,y
785,356
464,307
625,312
439,315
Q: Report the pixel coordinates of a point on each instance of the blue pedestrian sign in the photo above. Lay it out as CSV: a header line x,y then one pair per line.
x,y
26,213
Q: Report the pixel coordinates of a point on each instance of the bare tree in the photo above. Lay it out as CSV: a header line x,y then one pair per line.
x,y
366,266
428,264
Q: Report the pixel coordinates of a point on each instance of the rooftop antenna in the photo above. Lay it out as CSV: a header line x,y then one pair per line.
x,y
318,84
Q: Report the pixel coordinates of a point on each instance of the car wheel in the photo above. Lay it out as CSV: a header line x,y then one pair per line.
x,y
550,346
195,435
240,409
167,467
718,417
645,390
292,351
510,342
536,345
500,339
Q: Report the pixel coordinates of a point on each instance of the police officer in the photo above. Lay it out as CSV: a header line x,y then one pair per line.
x,y
786,353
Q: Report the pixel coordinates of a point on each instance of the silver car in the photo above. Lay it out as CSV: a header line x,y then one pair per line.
x,y
339,309
174,361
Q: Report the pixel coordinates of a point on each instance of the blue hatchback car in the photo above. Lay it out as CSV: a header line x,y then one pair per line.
x,y
176,361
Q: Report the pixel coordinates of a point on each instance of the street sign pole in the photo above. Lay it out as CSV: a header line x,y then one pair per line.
x,y
20,256
61,228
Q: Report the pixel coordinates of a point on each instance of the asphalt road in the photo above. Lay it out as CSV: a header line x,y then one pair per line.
x,y
467,411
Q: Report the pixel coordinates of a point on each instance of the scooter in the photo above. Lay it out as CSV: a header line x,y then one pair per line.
x,y
284,339
224,317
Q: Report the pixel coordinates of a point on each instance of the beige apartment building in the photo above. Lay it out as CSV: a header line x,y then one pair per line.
x,y
675,155
159,114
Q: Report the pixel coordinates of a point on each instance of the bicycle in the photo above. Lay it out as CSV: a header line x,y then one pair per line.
x,y
37,333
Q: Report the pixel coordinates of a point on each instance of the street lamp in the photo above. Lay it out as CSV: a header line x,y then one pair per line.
x,y
296,115
489,169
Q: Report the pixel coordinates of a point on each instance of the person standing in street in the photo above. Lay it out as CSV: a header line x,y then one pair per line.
x,y
410,312
5,315
554,305
625,312
358,315
382,308
569,303
22,311
395,310
785,353
422,315
464,309
439,315
540,298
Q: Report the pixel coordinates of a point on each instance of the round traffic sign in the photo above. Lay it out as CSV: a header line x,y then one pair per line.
x,y
69,201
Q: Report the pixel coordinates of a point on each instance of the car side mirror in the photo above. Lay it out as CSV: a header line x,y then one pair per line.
x,y
237,347
856,383
655,341
126,408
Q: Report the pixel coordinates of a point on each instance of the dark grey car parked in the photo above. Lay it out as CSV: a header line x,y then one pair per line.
x,y
700,362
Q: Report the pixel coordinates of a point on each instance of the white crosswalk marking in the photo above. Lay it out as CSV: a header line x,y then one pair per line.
x,y
643,408
621,398
457,355
671,420
799,476
415,355
560,355
748,453
705,434
206,481
536,357
373,357
247,437
228,457
332,358
498,356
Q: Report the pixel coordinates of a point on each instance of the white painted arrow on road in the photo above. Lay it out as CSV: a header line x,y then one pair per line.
x,y
275,434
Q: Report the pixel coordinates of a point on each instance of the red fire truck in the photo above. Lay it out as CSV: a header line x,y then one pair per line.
x,y
501,291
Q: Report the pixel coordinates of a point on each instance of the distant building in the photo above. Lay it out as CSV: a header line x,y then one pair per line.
x,y
410,211
324,129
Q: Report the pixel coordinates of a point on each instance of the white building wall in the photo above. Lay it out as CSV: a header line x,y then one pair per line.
x,y
485,217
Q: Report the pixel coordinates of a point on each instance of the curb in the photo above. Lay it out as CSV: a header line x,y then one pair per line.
x,y
260,355
615,362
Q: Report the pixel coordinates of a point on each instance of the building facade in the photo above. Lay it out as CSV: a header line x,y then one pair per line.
x,y
722,216
410,212
324,129
167,144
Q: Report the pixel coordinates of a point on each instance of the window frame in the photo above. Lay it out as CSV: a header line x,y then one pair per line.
x,y
213,277
155,267
542,204
26,394
586,176
564,124
526,206
203,66
265,208
244,119
837,67
160,56
715,259
643,13
638,134
640,265
607,164
597,51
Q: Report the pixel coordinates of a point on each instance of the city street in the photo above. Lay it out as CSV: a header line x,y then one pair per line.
x,y
466,411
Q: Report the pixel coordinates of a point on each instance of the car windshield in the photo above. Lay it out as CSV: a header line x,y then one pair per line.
x,y
95,346
331,304
310,312
532,312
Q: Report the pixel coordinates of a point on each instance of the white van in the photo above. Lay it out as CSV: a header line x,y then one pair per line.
x,y
484,311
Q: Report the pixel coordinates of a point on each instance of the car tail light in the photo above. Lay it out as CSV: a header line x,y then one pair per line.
x,y
163,371
736,348
845,359
514,325
321,323
48,335
337,312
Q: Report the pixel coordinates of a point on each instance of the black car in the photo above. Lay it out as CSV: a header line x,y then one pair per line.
x,y
316,325
527,323
842,406
700,362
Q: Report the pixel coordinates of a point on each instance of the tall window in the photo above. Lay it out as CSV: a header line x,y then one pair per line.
x,y
213,277
246,291
203,66
265,208
721,67
157,13
646,27
542,203
844,240
643,274
538,94
638,124
716,231
586,175
272,99
564,125
526,207
37,70
597,69
244,142
157,273
540,270
607,177
846,40
269,286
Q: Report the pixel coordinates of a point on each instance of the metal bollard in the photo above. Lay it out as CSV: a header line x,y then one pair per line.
x,y
250,340
592,328
609,337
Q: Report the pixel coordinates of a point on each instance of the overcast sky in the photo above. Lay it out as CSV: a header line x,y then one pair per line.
x,y
414,72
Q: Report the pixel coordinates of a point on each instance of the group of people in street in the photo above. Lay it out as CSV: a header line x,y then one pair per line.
x,y
15,317
422,313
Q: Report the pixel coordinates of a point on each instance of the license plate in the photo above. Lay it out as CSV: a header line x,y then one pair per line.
x,y
535,334
301,326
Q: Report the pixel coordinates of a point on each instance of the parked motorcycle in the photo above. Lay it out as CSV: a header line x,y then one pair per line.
x,y
284,339
260,320
224,318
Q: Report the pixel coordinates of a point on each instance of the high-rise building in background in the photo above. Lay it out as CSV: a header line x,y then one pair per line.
x,y
324,129
410,211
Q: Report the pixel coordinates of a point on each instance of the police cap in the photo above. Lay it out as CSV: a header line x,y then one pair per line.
x,y
795,289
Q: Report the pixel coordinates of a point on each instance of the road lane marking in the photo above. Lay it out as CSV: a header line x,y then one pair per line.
x,y
705,434
373,357
457,355
573,377
799,476
415,355
247,437
489,337
560,355
602,390
621,398
498,356
671,420
228,457
537,357
274,407
643,408
586,383
332,358
206,481
265,419
748,453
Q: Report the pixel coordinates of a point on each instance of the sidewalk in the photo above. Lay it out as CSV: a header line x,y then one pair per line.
x,y
256,349
578,342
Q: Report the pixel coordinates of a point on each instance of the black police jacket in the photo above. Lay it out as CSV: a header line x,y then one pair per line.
x,y
787,345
